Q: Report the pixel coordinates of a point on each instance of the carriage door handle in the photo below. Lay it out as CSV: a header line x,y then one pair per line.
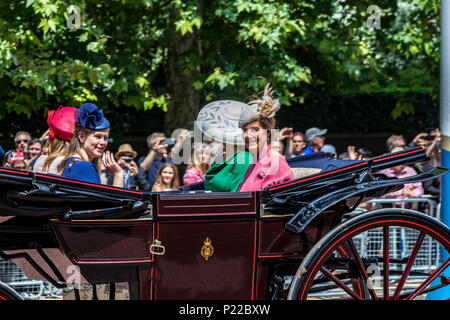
x,y
157,248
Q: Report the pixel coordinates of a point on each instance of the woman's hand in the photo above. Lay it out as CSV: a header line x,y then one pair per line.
x,y
112,166
110,163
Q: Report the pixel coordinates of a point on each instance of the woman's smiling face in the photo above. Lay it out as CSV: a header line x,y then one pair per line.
x,y
167,175
255,137
94,143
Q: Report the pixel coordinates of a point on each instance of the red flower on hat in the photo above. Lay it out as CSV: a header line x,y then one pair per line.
x,y
61,123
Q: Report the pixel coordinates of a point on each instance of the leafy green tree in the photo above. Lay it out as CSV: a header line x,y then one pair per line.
x,y
178,55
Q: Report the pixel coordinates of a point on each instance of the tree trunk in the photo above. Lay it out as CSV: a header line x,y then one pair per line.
x,y
184,99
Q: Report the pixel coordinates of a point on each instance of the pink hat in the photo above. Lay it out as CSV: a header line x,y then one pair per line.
x,y
61,123
299,134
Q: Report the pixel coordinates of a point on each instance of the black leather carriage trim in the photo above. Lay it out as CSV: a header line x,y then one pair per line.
x,y
374,164
306,214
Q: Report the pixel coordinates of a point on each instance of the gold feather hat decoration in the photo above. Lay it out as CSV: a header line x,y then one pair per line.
x,y
265,107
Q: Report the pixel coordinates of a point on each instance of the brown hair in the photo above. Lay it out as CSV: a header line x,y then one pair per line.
x,y
175,181
267,124
75,147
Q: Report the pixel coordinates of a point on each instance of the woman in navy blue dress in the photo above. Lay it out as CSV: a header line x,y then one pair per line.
x,y
87,148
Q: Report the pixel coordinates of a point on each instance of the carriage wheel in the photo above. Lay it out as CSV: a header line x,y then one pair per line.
x,y
8,293
341,262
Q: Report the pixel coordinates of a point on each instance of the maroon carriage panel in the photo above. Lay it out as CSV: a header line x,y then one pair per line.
x,y
276,241
87,242
210,246
206,260
212,204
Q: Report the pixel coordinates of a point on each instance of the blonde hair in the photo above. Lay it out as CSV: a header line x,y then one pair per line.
x,y
75,148
195,158
175,184
56,148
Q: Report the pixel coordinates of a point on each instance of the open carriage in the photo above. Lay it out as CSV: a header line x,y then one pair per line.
x,y
290,241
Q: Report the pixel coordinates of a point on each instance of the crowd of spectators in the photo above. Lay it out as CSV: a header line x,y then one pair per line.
x,y
156,171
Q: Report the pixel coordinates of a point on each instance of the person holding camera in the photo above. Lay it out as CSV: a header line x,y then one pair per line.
x,y
125,159
425,139
156,157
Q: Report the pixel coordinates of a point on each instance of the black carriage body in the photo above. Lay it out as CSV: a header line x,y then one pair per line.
x,y
180,245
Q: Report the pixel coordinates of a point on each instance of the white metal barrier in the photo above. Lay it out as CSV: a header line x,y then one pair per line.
x,y
27,288
401,242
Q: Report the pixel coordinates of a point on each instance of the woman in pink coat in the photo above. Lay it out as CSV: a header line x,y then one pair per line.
x,y
201,159
269,167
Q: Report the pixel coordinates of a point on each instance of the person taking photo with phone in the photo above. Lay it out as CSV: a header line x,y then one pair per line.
x,y
158,155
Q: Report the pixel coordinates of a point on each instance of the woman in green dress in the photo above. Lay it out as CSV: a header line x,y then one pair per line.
x,y
227,176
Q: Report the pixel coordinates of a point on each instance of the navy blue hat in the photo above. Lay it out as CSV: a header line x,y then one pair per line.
x,y
90,117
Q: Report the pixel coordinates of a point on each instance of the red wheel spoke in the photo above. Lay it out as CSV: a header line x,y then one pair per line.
x,y
357,287
343,252
386,263
433,276
333,278
360,265
409,264
338,251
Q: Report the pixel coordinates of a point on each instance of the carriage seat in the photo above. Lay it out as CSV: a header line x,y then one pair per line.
x,y
303,172
301,167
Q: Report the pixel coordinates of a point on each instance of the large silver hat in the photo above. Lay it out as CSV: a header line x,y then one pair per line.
x,y
219,120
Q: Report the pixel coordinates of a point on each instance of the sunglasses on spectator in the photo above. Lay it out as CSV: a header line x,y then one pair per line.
x,y
23,140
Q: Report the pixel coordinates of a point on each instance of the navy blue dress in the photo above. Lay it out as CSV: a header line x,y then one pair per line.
x,y
80,170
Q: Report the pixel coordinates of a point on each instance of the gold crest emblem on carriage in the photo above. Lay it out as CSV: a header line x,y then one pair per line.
x,y
207,249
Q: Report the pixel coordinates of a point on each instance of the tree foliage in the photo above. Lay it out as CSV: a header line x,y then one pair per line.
x,y
177,55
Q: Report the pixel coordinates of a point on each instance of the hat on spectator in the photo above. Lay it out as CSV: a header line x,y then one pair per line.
x,y
328,148
61,123
90,117
299,134
17,156
125,148
311,133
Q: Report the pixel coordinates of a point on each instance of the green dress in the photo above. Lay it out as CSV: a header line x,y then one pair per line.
x,y
228,175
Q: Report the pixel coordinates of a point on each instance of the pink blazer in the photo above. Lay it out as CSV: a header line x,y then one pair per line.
x,y
270,170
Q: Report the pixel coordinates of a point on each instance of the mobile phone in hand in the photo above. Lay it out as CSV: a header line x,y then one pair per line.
x,y
169,142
